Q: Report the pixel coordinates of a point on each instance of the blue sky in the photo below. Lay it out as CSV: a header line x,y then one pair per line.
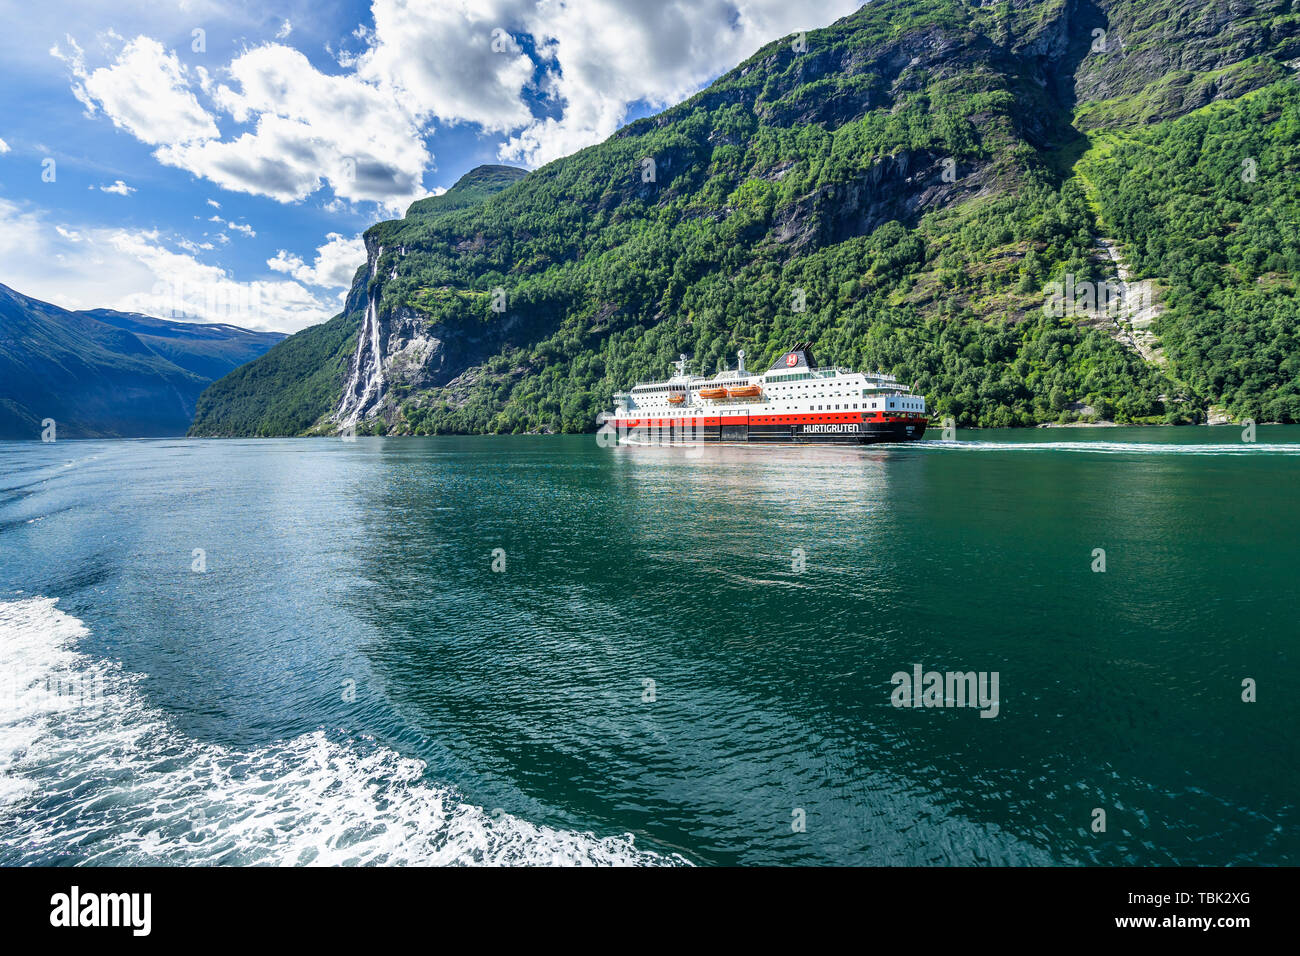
x,y
218,161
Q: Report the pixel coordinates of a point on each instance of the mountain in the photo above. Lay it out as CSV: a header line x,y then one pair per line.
x,y
102,374
910,189
300,381
475,187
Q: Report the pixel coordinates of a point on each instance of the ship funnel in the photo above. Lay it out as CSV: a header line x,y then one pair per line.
x,y
740,357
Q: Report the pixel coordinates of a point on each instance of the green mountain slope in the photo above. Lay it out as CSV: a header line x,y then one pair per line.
x,y
472,189
108,374
901,190
286,391
1210,204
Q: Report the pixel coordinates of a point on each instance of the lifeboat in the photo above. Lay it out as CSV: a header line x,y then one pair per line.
x,y
713,393
744,391
676,399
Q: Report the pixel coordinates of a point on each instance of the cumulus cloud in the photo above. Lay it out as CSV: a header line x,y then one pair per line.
x,y
309,129
119,188
4,147
546,76
146,91
336,262
451,59
606,55
143,271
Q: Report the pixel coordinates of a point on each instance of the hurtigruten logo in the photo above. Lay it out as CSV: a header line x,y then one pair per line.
x,y
74,908
831,429
950,689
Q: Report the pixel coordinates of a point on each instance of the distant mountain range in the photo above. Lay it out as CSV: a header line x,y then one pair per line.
x,y
905,189
106,374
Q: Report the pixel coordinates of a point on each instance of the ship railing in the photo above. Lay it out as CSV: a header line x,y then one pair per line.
x,y
825,371
830,371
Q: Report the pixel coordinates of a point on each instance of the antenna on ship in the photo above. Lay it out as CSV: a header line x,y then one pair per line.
x,y
740,357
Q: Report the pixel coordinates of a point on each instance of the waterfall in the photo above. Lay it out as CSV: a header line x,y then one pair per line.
x,y
369,359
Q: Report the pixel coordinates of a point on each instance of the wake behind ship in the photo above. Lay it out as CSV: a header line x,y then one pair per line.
x,y
794,401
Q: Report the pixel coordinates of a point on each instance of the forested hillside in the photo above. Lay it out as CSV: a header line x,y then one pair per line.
x,y
901,189
1211,204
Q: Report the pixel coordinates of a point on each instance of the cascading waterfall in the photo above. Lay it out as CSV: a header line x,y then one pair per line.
x,y
369,358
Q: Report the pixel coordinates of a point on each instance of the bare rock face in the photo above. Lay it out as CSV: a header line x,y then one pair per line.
x,y
401,350
902,187
1139,305
1135,49
414,355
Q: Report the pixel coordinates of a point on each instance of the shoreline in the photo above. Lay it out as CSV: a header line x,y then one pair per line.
x,y
972,428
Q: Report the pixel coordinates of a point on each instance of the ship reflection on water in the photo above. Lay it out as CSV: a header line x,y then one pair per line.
x,y
811,475
767,514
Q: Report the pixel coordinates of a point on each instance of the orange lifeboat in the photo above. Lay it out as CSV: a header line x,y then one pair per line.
x,y
676,399
744,391
712,393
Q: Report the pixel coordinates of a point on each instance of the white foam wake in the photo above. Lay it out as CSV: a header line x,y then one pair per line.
x,y
91,773
1119,447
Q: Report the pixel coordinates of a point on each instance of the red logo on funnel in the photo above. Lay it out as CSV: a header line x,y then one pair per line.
x,y
792,359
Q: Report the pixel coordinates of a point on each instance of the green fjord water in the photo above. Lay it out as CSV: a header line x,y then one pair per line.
x,y
349,680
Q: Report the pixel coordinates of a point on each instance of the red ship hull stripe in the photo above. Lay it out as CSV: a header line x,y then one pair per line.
x,y
769,420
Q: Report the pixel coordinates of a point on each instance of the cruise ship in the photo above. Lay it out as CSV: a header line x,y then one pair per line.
x,y
794,401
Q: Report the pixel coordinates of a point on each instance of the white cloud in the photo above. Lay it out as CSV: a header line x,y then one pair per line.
x,y
309,129
609,54
119,188
4,147
425,64
137,271
240,227
336,262
145,91
214,204
453,59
